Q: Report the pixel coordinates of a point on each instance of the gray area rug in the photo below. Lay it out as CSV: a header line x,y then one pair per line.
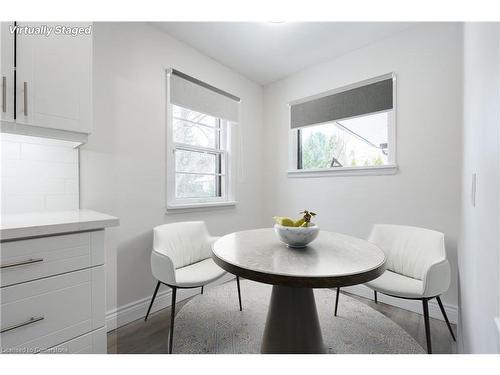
x,y
212,323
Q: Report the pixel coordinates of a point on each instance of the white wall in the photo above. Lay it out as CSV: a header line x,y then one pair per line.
x,y
38,174
479,254
123,164
426,190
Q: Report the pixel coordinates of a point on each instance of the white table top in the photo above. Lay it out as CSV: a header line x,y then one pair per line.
x,y
334,257
16,226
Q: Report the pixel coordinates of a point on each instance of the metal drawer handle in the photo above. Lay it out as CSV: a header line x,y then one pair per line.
x,y
19,325
4,94
26,98
21,263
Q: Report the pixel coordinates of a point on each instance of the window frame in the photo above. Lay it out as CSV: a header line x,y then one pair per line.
x,y
225,148
294,149
221,160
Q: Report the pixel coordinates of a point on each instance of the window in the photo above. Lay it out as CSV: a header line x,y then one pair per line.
x,y
348,131
200,155
361,141
200,129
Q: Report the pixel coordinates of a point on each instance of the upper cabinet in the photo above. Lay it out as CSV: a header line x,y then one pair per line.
x,y
6,72
52,79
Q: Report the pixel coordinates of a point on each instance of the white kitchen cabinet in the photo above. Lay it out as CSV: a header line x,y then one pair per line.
x,y
91,343
6,72
34,258
53,83
40,314
52,289
54,79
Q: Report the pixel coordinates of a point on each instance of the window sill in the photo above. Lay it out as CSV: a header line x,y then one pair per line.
x,y
344,171
179,208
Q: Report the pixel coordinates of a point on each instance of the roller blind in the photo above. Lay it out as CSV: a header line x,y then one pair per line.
x,y
354,100
191,93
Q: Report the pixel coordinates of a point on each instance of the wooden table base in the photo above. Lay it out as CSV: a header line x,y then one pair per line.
x,y
292,324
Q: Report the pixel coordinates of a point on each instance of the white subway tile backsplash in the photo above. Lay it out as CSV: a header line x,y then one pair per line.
x,y
10,150
28,185
61,170
39,169
38,174
71,186
10,167
61,202
22,203
60,154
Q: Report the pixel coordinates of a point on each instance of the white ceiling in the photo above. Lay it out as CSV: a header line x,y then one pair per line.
x,y
266,52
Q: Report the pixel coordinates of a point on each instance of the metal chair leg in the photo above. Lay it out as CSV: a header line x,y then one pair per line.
x,y
152,300
445,317
375,296
172,317
427,326
202,290
239,291
337,301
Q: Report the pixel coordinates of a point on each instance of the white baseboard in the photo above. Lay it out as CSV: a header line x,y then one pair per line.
x,y
410,305
137,310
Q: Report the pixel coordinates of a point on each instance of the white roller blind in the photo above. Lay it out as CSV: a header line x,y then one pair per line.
x,y
371,96
188,92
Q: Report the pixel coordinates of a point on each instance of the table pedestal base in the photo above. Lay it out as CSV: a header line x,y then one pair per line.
x,y
292,324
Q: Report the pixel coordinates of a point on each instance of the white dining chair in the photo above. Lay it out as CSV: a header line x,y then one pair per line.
x,y
181,259
417,268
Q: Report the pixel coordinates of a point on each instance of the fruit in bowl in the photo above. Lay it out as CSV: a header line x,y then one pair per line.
x,y
296,233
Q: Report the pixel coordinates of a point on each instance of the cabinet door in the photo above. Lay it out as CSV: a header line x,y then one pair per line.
x,y
54,79
91,343
35,258
6,72
43,313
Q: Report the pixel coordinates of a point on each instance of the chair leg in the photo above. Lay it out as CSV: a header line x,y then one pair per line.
x,y
202,290
375,296
172,317
152,300
337,301
445,317
239,291
427,326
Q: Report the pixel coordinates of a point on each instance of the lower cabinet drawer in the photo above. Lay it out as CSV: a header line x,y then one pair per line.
x,y
41,314
94,342
31,259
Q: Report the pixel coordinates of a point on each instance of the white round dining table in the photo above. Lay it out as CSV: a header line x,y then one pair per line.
x,y
332,260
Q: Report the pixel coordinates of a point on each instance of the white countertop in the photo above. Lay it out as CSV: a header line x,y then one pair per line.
x,y
16,226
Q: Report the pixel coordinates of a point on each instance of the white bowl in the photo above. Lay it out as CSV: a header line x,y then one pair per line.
x,y
297,237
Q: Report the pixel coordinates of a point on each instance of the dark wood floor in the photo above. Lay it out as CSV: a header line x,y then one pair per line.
x,y
151,336
413,323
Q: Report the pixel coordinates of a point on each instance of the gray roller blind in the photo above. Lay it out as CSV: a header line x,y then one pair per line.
x,y
368,98
191,93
